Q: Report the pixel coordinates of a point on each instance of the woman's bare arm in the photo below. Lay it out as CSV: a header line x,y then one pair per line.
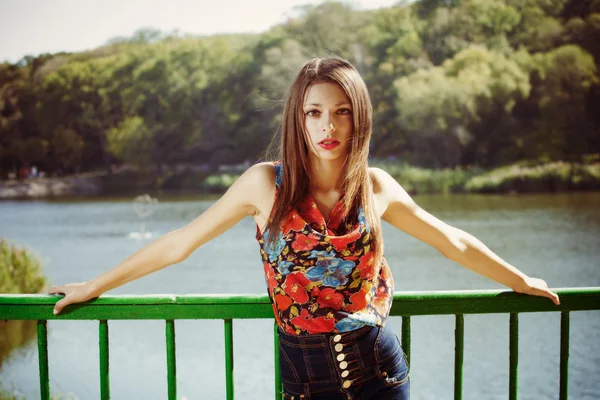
x,y
401,211
245,197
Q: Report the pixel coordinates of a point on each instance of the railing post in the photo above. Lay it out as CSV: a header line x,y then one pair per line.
x,y
564,356
406,336
278,387
513,356
171,362
42,338
229,358
104,361
459,342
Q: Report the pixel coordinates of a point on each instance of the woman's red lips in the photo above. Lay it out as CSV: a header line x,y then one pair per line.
x,y
329,144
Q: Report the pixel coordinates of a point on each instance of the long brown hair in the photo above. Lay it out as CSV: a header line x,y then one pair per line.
x,y
294,151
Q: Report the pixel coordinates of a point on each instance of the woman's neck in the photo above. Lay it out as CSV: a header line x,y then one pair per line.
x,y
327,175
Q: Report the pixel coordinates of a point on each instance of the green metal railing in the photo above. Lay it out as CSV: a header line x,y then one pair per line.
x,y
228,308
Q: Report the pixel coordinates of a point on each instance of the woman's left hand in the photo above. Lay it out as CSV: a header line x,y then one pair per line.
x,y
538,287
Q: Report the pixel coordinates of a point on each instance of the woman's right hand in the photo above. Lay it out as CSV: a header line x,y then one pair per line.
x,y
74,293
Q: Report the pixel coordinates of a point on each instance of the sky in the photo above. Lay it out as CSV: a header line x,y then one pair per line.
x,y
32,27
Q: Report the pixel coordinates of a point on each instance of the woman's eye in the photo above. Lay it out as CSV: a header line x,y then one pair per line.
x,y
316,113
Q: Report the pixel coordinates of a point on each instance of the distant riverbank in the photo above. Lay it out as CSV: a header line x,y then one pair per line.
x,y
525,177
33,188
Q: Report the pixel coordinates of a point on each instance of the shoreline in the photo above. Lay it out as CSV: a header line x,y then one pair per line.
x,y
43,188
554,177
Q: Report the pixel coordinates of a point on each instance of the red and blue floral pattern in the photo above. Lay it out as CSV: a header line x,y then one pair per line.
x,y
320,274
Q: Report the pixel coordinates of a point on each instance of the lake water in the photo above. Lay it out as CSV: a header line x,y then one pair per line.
x,y
555,237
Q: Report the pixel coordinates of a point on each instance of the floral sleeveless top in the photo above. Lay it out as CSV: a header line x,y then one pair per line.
x,y
320,274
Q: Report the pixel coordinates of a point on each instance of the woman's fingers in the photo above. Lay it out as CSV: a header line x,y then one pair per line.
x,y
539,287
64,289
547,293
552,296
74,293
57,290
61,304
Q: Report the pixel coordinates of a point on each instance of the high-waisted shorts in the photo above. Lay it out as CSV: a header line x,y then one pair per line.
x,y
367,363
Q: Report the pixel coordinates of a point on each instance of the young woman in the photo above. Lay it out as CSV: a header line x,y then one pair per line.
x,y
318,212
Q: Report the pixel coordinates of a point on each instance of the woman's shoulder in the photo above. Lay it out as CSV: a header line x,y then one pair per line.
x,y
262,175
388,189
379,179
260,184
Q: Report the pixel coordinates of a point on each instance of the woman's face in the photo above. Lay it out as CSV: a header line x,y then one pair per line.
x,y
328,120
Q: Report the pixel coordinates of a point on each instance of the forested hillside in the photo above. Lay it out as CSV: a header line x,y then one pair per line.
x,y
454,83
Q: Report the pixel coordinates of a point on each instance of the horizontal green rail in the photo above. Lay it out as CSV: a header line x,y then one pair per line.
x,y
35,307
227,308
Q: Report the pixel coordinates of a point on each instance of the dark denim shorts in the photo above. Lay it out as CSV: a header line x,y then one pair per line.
x,y
367,363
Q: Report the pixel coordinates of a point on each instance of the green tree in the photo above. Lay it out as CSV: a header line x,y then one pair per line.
x,y
67,147
452,82
450,30
540,28
132,141
565,128
69,99
20,272
396,50
441,108
329,28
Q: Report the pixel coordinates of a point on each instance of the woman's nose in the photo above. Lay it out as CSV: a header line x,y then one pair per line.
x,y
328,127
